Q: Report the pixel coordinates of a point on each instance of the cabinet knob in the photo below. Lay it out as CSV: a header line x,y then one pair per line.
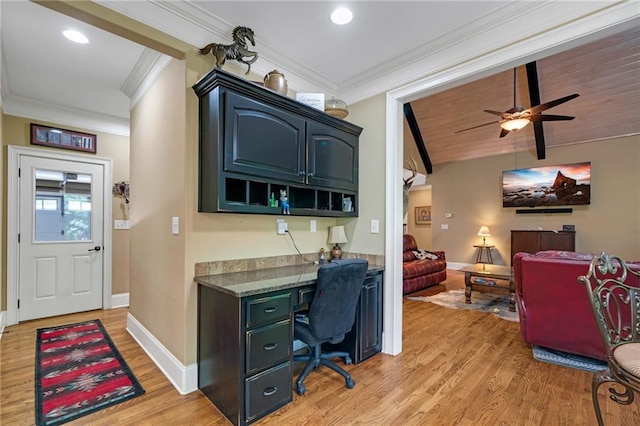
x,y
310,174
302,173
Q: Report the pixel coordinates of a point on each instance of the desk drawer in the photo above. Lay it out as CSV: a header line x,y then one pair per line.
x,y
268,345
268,391
268,309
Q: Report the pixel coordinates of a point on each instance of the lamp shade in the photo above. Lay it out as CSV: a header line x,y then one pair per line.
x,y
337,235
484,231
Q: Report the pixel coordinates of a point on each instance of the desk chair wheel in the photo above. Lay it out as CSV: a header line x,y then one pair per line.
x,y
301,390
347,360
350,383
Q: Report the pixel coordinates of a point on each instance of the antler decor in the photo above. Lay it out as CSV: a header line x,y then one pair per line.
x,y
121,189
412,166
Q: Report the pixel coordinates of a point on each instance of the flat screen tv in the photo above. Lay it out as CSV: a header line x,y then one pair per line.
x,y
563,185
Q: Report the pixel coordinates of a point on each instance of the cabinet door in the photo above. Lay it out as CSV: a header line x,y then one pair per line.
x,y
370,336
332,157
557,241
261,140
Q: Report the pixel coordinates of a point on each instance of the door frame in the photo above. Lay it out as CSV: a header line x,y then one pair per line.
x,y
13,211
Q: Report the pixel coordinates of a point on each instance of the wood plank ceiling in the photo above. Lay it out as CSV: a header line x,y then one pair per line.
x,y
606,74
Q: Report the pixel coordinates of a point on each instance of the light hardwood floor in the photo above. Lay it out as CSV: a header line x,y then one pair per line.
x,y
457,368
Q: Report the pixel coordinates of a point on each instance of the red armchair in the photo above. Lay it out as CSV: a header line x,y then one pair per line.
x,y
419,274
553,306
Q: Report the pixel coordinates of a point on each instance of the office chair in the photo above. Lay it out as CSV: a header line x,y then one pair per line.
x,y
331,316
614,293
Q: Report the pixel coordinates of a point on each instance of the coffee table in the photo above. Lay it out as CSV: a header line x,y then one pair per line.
x,y
490,277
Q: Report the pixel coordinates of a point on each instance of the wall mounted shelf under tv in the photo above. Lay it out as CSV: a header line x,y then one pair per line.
x,y
544,211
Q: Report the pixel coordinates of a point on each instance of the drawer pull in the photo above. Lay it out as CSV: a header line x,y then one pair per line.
x,y
270,346
270,310
270,391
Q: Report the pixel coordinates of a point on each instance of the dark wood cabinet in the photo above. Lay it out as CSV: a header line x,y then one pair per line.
x,y
254,142
365,338
535,241
245,344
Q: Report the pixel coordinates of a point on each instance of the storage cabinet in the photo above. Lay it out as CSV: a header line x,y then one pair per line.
x,y
535,241
255,142
245,367
365,338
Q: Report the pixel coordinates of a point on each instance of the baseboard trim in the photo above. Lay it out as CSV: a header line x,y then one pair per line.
x,y
119,300
3,322
184,379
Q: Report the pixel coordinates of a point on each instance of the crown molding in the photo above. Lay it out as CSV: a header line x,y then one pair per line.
x,y
503,30
49,113
144,74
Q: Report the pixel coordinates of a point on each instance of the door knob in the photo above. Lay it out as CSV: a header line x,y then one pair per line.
x,y
96,248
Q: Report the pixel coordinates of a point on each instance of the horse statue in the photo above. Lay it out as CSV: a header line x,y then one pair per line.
x,y
237,51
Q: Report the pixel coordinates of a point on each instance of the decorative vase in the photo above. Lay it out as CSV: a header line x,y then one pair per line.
x,y
275,81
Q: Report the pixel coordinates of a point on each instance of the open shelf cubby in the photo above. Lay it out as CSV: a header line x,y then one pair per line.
x,y
254,195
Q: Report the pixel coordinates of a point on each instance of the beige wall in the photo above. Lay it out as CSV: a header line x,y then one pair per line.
x,y
16,131
472,192
419,197
370,115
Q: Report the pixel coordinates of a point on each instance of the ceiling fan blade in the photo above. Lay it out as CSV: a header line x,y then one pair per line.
x,y
504,132
540,117
539,108
498,113
475,127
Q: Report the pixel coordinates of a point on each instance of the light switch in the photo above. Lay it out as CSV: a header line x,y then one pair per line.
x,y
175,225
120,224
375,226
313,225
444,226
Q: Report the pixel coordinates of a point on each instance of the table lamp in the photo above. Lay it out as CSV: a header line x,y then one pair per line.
x,y
337,237
484,233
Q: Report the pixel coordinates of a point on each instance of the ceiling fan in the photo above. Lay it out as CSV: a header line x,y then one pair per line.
x,y
518,117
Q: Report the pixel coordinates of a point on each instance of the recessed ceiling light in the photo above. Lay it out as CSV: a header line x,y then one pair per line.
x,y
76,36
341,16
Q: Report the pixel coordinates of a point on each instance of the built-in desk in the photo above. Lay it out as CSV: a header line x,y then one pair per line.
x,y
245,335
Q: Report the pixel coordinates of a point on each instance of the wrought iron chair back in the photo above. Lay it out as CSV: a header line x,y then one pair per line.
x,y
614,292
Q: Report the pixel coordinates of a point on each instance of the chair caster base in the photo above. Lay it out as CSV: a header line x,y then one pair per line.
x,y
350,383
301,389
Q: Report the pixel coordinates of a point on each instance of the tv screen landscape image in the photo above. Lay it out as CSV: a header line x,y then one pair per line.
x,y
563,185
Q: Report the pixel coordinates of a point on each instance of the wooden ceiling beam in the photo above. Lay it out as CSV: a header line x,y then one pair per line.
x,y
534,99
417,137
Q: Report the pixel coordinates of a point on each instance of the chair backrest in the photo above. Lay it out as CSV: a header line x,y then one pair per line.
x,y
333,308
614,292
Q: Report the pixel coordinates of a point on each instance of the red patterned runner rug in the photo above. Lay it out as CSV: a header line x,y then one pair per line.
x,y
79,371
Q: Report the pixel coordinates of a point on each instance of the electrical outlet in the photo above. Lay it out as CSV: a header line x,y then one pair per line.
x,y
444,226
120,224
282,227
175,225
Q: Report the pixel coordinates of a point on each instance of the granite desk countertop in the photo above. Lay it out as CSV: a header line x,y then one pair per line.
x,y
248,283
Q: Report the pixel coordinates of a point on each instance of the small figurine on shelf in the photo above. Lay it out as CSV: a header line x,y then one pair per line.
x,y
284,201
323,259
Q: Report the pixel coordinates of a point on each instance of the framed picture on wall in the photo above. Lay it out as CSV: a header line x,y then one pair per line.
x,y
61,138
423,215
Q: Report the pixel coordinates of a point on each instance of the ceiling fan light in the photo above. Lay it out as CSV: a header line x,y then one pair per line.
x,y
515,124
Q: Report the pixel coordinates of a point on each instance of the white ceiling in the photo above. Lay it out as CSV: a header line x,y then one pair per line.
x,y
388,44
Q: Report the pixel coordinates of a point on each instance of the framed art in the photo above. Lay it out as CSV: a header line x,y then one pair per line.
x,y
61,138
423,215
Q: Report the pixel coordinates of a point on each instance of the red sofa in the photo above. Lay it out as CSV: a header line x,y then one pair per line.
x,y
553,306
418,274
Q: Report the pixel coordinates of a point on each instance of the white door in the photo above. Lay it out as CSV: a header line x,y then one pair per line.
x,y
60,237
